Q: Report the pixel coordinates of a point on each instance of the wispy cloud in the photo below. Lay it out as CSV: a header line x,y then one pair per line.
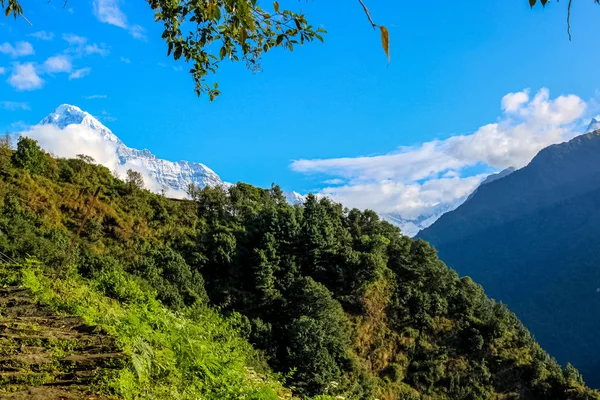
x,y
125,60
14,106
2,70
79,46
412,179
96,96
74,39
42,35
24,77
80,73
105,116
95,49
20,49
109,12
59,63
138,32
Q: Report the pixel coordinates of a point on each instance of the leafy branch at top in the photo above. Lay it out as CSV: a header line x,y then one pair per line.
x,y
206,32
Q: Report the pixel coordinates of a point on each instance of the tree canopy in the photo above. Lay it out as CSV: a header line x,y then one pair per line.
x,y
337,301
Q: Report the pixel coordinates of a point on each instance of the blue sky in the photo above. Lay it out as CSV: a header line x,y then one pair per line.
x,y
452,64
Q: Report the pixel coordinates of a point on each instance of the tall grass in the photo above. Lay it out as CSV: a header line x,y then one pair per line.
x,y
195,354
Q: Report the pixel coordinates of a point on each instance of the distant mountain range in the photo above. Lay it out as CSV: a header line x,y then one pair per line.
x,y
532,240
411,227
176,176
173,176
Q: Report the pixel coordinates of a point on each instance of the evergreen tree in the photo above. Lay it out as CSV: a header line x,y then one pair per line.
x,y
29,156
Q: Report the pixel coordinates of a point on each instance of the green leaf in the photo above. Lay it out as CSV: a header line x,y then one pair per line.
x,y
178,51
276,6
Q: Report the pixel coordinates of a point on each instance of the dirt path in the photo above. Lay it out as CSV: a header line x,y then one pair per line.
x,y
48,356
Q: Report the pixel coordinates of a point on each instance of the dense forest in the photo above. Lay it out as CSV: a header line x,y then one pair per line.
x,y
325,300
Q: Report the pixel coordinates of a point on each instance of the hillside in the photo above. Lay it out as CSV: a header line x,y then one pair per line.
x,y
50,356
336,302
531,239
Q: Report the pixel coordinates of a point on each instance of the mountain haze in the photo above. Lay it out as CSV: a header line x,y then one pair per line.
x,y
532,240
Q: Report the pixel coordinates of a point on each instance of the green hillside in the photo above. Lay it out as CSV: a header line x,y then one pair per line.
x,y
531,239
236,294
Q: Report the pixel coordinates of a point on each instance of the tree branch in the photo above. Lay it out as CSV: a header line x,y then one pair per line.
x,y
373,24
569,19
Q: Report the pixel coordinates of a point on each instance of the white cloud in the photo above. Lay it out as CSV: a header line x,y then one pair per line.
x,y
513,101
42,35
95,49
74,140
410,200
414,179
58,63
74,39
138,32
96,96
108,11
20,49
80,73
334,182
125,60
80,46
24,77
2,70
77,139
14,106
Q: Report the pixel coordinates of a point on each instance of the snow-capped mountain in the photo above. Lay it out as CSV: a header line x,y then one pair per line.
x,y
294,198
594,125
168,174
410,227
81,132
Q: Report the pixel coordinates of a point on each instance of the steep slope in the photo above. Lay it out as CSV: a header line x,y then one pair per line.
x,y
49,356
531,239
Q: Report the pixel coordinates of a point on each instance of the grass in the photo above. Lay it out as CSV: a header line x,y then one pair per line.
x,y
195,354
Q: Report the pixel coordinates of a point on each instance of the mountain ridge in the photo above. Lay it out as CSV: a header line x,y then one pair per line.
x,y
529,239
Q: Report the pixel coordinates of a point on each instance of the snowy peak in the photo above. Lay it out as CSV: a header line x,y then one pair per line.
x,y
66,115
294,198
80,128
594,125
